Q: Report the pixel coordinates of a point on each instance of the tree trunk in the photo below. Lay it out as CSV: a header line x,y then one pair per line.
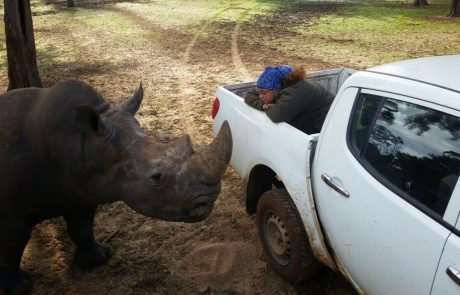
x,y
455,8
419,3
20,45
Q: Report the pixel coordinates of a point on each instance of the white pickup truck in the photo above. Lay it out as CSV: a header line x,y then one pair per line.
x,y
374,194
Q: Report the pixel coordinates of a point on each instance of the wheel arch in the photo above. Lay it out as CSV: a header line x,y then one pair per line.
x,y
258,182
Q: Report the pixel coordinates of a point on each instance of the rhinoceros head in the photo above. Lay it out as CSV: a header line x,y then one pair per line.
x,y
169,181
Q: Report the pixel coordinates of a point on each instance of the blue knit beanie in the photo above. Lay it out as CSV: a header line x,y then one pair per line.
x,y
272,77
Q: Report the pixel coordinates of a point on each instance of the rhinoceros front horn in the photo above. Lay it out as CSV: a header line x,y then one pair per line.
x,y
213,160
132,105
221,147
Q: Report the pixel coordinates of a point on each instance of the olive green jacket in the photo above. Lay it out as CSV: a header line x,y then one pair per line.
x,y
304,105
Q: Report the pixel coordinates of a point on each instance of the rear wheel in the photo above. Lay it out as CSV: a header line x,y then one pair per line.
x,y
283,237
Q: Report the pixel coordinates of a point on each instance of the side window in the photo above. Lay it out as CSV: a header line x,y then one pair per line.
x,y
413,149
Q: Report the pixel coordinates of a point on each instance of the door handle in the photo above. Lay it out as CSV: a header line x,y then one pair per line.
x,y
328,180
453,274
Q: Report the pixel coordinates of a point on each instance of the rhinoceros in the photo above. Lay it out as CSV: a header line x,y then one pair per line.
x,y
65,149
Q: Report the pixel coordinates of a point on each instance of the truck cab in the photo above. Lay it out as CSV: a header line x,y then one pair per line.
x,y
384,177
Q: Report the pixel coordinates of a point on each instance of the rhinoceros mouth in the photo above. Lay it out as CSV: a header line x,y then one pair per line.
x,y
201,211
202,206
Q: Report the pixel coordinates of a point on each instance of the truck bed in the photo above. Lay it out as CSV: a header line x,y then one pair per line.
x,y
329,79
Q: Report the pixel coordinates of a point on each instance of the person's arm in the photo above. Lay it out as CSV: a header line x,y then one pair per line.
x,y
252,99
287,106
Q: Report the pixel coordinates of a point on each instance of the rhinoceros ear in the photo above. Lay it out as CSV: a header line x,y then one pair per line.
x,y
132,105
88,118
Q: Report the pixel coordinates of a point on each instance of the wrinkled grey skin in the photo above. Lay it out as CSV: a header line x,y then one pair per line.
x,y
64,150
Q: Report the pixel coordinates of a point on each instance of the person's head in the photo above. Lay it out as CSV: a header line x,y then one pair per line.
x,y
274,78
267,96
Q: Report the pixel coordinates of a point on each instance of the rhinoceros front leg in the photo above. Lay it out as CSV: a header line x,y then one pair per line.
x,y
13,240
89,252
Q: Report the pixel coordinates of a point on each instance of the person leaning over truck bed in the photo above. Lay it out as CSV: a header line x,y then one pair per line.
x,y
285,95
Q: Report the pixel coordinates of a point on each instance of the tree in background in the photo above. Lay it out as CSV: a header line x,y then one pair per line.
x,y
455,8
420,3
20,45
70,3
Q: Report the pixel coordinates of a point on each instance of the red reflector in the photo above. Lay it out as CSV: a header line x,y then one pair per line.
x,y
215,107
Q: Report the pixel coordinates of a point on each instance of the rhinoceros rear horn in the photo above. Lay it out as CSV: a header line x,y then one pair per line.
x,y
132,105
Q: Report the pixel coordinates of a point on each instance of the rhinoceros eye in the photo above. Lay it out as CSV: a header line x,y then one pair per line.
x,y
156,177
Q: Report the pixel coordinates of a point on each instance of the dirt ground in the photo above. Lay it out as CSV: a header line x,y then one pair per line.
x,y
180,70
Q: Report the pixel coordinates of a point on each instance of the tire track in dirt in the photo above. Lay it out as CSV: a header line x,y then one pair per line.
x,y
185,89
177,67
188,50
136,19
215,266
236,58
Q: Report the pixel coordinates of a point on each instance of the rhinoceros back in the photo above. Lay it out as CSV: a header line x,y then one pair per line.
x,y
38,131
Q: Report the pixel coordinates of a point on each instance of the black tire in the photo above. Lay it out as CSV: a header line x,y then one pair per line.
x,y
283,237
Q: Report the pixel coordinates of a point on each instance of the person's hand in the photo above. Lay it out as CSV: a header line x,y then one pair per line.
x,y
267,105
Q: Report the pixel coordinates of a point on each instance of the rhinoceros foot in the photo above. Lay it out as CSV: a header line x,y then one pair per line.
x,y
14,283
91,255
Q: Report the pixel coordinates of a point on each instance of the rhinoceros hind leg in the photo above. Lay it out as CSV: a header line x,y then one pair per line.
x,y
80,224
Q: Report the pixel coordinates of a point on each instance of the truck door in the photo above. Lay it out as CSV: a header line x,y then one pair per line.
x,y
383,176
447,279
